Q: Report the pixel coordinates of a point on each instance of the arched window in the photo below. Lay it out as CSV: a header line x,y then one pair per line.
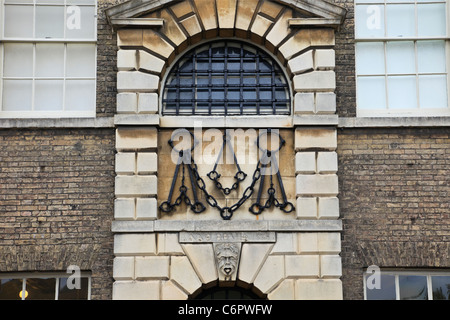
x,y
226,78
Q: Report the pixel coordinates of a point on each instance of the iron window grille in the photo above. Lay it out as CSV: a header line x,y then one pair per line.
x,y
226,78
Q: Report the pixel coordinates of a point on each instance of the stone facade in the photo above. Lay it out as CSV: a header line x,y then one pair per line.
x,y
293,263
88,191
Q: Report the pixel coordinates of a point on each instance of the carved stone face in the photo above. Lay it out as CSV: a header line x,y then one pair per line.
x,y
227,257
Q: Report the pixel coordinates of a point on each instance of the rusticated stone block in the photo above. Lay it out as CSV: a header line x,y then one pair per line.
x,y
318,289
136,138
316,80
152,268
136,81
129,37
134,244
140,186
136,290
317,185
315,139
156,44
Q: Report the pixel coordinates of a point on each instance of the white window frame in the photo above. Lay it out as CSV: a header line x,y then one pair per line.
x,y
413,112
46,275
34,41
398,273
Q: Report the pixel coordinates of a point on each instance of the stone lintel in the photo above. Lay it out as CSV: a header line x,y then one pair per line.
x,y
227,226
216,237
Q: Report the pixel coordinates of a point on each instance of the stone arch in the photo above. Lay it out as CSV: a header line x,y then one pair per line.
x,y
185,23
150,36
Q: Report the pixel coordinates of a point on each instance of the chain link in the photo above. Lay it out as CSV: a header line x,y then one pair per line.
x,y
225,212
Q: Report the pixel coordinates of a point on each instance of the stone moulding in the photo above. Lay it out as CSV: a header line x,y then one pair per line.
x,y
128,10
237,226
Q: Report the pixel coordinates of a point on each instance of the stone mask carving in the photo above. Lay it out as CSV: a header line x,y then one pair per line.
x,y
227,256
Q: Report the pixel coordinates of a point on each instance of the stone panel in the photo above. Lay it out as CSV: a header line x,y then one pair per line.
x,y
284,291
271,274
136,138
156,44
184,275
134,244
132,186
123,268
136,290
170,291
202,259
252,257
146,209
307,138
151,268
124,209
306,208
316,80
310,289
135,81
302,266
317,185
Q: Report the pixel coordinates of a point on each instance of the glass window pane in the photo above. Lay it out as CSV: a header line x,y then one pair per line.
x,y
48,95
431,20
18,60
431,56
370,58
413,287
218,94
49,22
400,20
73,294
81,60
49,60
10,289
369,21
18,21
386,290
433,91
249,95
402,92
80,95
80,22
371,93
41,289
400,57
441,287
17,95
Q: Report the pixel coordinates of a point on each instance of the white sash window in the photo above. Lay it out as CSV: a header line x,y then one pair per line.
x,y
402,54
48,51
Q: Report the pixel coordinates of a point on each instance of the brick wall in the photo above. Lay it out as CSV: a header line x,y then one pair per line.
x,y
394,198
106,61
56,202
345,63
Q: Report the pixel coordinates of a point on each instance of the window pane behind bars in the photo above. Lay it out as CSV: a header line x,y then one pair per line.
x,y
226,78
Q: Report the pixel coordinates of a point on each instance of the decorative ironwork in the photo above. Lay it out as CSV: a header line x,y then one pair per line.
x,y
226,78
215,176
269,157
185,159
